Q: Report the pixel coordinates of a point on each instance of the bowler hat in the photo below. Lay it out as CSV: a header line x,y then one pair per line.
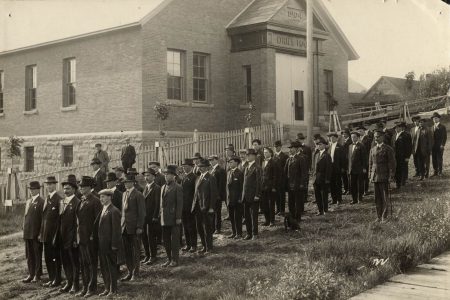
x,y
321,140
188,162
356,133
277,144
415,118
87,181
400,124
361,128
294,144
129,178
98,145
317,136
436,115
213,157
251,151
242,150
132,171
34,185
71,180
156,163
171,169
235,158
108,192
300,136
345,131
96,161
230,147
332,134
197,155
120,169
204,163
149,171
111,176
51,179
258,141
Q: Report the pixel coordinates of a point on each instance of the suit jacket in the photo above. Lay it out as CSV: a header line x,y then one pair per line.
x,y
307,151
280,160
269,175
221,180
117,199
346,144
423,141
367,142
252,183
381,163
243,165
160,179
121,185
439,136
33,218
206,193
152,198
104,158
414,136
87,212
171,204
50,219
133,211
296,171
338,159
259,157
402,146
68,222
99,178
357,159
108,231
128,154
188,185
322,168
235,181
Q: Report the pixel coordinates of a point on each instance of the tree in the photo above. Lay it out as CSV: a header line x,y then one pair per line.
x,y
162,114
251,114
433,84
409,80
14,146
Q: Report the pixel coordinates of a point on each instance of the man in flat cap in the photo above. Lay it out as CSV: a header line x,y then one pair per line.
x,y
439,140
109,242
235,181
403,148
171,205
422,146
357,167
31,228
413,132
280,159
321,175
297,173
128,155
188,217
337,167
102,156
49,233
220,175
111,184
99,175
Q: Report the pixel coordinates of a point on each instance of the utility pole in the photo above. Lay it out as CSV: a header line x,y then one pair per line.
x,y
309,72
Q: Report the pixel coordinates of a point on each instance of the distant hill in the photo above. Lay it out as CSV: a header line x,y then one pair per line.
x,y
355,87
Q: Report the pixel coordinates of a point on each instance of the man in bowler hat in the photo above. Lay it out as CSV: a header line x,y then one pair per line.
x,y
337,168
128,155
251,194
111,184
322,168
280,159
357,167
235,180
221,179
439,140
402,143
99,175
296,172
188,218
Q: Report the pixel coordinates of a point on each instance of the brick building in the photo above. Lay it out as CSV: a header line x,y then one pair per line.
x,y
208,59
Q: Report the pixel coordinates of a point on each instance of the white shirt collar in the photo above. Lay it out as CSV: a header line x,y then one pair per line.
x,y
95,173
68,199
105,208
34,197
52,194
250,163
114,189
130,190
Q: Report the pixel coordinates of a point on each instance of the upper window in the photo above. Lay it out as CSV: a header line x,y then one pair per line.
x,y
329,82
30,87
175,74
2,84
248,83
200,77
69,81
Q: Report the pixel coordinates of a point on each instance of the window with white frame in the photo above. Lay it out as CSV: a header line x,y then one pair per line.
x,y
69,82
175,74
200,74
30,87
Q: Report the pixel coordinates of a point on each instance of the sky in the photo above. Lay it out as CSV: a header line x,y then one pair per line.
x,y
392,37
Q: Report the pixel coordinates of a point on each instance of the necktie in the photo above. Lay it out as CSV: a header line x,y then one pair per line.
x,y
125,200
46,202
83,201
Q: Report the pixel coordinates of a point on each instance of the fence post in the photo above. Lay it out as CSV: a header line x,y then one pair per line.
x,y
248,137
196,143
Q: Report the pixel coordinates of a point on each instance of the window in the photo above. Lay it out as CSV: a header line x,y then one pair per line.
x,y
299,106
2,84
69,81
67,155
29,159
175,74
248,83
30,87
200,77
329,82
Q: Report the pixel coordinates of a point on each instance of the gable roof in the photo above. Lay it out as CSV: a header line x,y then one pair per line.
x,y
398,83
29,24
258,11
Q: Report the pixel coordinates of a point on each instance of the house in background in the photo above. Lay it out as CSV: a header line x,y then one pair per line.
x,y
67,89
389,90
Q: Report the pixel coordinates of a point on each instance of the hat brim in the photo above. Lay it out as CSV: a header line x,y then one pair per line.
x,y
51,181
72,184
191,165
34,187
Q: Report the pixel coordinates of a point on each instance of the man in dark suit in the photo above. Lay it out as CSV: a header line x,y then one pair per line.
x,y
188,218
171,210
256,144
269,186
196,159
235,180
128,155
87,212
280,159
152,196
120,174
307,151
347,141
221,180
68,234
337,168
243,157
133,172
439,140
322,169
49,233
413,132
132,225
381,169
109,242
422,146
251,194
296,172
403,147
366,140
103,156
99,176
357,167
159,178
31,228
111,184
205,197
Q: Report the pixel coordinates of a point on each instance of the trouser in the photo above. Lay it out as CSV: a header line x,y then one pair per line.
x,y
321,194
132,252
150,239
268,203
401,172
145,242
336,187
345,182
218,216
416,165
171,241
108,268
296,203
190,229
281,200
71,264
366,182
423,161
89,264
437,154
382,200
53,262
356,187
236,211
251,217
204,223
34,256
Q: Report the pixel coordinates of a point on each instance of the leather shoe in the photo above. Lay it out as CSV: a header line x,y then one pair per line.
x,y
271,224
218,231
36,279
255,237
55,283
66,288
47,284
266,224
82,293
231,236
186,249
73,290
173,264
202,250
146,259
193,250
28,279
238,237
111,294
166,264
134,277
89,294
151,261
126,278
248,237
104,293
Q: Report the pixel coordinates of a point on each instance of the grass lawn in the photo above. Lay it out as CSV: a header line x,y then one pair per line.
x,y
11,221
